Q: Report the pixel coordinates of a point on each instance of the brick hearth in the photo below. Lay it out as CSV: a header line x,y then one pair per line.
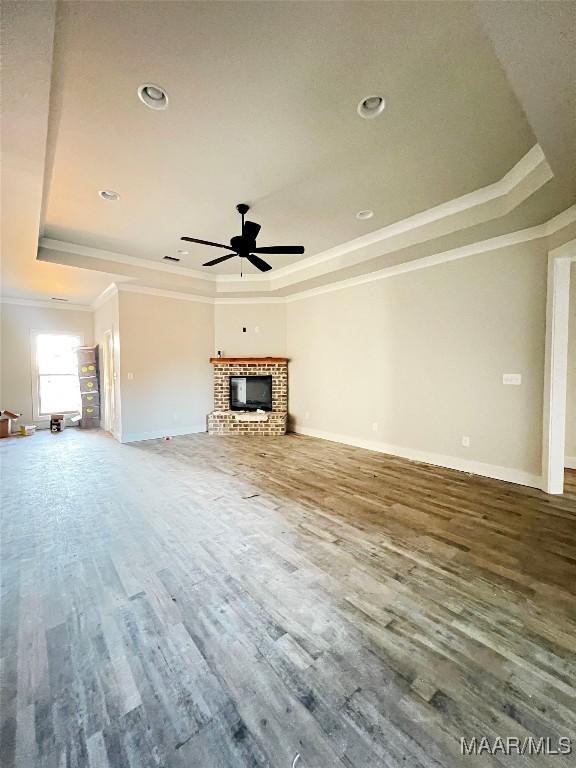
x,y
223,421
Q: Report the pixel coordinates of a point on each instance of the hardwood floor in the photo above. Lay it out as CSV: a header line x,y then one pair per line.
x,y
227,602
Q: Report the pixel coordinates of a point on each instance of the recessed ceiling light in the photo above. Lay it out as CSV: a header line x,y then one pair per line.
x,y
371,106
154,96
57,298
182,253
362,215
171,258
109,194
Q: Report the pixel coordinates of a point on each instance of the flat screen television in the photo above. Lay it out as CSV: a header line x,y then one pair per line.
x,y
248,393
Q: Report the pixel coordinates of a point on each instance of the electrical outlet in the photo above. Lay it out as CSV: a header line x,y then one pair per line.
x,y
257,329
374,426
465,441
307,415
515,379
130,376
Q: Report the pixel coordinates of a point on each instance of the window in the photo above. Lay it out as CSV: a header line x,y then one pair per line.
x,y
58,388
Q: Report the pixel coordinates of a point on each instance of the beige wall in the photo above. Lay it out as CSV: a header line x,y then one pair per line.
x,y
415,362
410,363
265,330
18,322
571,391
106,318
166,344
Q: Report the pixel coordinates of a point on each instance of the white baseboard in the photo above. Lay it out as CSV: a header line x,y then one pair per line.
x,y
136,437
494,471
570,462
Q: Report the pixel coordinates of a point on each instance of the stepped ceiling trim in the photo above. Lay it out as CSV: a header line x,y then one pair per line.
x,y
560,222
542,231
496,200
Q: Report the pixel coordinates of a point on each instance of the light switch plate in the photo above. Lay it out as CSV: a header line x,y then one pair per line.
x,y
130,376
512,378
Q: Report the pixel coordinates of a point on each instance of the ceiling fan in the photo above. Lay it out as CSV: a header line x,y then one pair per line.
x,y
244,245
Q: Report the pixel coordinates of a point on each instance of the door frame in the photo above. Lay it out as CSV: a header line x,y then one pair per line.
x,y
556,367
108,380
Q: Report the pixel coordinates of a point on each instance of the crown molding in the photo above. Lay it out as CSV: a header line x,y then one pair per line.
x,y
253,300
128,288
182,296
106,294
560,221
522,180
122,258
565,251
541,231
45,304
533,166
538,232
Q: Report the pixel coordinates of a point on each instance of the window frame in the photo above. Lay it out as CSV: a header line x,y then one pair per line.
x,y
34,333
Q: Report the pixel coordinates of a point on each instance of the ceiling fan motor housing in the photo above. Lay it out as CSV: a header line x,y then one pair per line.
x,y
244,245
238,244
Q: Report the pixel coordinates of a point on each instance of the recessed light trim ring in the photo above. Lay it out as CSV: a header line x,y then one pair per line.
x,y
154,96
363,215
371,107
109,194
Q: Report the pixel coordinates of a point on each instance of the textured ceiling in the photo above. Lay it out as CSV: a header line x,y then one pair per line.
x,y
262,110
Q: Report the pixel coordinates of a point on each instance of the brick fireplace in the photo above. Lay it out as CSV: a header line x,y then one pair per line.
x,y
224,421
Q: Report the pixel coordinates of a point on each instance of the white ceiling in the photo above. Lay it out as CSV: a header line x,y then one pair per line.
x,y
262,110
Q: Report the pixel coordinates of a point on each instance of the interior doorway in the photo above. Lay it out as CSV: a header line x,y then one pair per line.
x,y
570,445
560,261
108,382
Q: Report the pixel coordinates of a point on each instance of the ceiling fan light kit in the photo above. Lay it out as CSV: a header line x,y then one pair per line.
x,y
244,245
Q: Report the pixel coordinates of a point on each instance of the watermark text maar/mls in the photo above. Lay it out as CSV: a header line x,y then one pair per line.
x,y
513,745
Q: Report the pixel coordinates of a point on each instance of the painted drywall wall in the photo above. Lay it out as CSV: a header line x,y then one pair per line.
x,y
570,450
106,318
412,363
265,326
18,322
166,376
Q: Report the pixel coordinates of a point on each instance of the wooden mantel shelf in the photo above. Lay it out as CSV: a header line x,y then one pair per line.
x,y
244,360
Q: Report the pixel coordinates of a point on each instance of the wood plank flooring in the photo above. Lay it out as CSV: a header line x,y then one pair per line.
x,y
219,602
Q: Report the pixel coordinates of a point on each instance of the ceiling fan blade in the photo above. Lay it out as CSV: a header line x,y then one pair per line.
x,y
280,249
251,230
205,242
259,263
219,259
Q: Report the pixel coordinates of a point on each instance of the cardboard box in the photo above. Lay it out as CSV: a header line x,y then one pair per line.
x,y
6,419
57,422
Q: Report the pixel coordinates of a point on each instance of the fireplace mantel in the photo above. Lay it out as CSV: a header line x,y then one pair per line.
x,y
248,360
